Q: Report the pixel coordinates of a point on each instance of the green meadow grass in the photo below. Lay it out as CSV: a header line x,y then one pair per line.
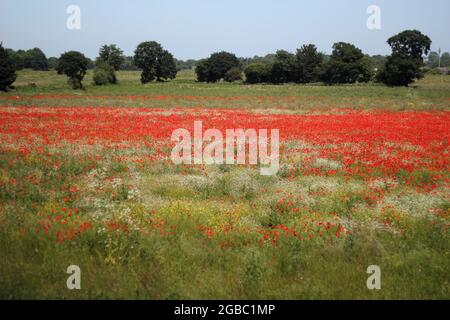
x,y
430,93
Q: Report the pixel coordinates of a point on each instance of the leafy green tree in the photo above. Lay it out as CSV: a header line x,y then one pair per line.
x,y
308,64
257,72
154,61
283,67
400,71
104,74
445,60
410,43
406,62
35,59
32,59
202,70
347,64
166,67
216,66
7,69
111,55
73,64
378,61
433,60
232,75
18,58
146,57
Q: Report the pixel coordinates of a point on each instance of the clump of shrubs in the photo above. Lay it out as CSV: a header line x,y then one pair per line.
x,y
232,75
257,73
104,74
219,66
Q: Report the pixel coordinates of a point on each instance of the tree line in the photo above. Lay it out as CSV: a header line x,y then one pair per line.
x,y
346,64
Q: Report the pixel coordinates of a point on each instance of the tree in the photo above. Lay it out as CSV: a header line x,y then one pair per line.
x,y
18,58
283,67
73,64
216,66
433,60
35,59
308,64
104,74
32,59
410,43
399,71
232,75
406,62
52,63
166,67
111,55
7,69
257,72
202,70
347,64
445,60
378,61
154,61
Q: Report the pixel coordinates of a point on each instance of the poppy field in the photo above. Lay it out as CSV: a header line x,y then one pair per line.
x,y
86,179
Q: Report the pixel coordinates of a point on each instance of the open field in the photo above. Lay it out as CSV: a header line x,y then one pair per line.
x,y
86,179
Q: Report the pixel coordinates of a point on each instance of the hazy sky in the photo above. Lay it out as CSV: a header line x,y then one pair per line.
x,y
196,28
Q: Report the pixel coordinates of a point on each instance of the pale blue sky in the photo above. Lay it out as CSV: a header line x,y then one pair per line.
x,y
196,28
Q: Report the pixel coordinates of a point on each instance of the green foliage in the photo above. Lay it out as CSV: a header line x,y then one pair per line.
x,y
7,69
104,74
128,64
406,61
232,75
445,60
410,43
74,65
31,59
52,63
36,60
202,70
400,71
309,64
166,67
155,62
283,68
111,55
267,59
433,60
185,65
378,61
216,66
347,64
257,73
